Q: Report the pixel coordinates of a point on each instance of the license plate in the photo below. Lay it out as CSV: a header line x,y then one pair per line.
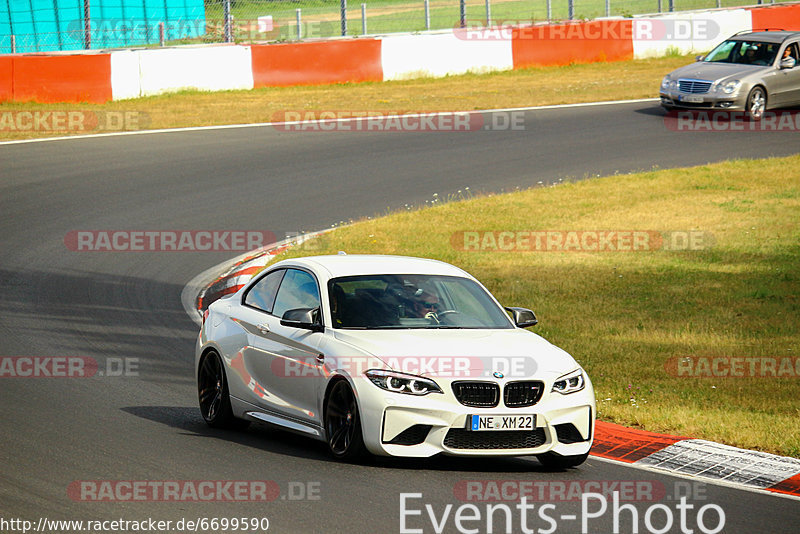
x,y
691,98
502,422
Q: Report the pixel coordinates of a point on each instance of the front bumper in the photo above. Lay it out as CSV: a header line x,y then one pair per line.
x,y
395,424
677,99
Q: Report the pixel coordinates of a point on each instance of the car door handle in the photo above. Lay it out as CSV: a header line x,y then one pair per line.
x,y
263,328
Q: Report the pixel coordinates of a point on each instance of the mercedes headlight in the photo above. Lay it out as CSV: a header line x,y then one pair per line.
x,y
665,82
402,383
570,383
729,87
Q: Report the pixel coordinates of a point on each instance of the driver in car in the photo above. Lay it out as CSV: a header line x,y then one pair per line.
x,y
425,304
789,54
419,302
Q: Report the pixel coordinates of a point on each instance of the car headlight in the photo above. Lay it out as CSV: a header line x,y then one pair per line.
x,y
570,383
729,87
402,383
666,82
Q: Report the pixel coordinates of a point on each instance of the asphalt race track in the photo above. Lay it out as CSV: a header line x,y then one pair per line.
x,y
125,306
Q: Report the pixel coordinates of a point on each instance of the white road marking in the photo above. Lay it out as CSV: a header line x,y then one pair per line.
x,y
263,124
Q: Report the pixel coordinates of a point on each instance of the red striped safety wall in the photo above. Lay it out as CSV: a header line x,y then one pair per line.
x,y
121,74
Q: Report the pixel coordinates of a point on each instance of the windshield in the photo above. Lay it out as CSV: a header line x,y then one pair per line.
x,y
744,53
412,301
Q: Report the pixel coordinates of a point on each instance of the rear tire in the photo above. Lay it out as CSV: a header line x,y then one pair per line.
x,y
343,424
213,395
756,103
556,461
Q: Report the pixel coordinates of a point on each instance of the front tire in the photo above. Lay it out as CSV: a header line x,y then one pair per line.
x,y
556,461
343,423
756,103
213,395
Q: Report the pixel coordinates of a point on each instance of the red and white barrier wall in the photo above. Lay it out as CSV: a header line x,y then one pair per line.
x,y
441,54
56,78
152,72
334,61
116,75
689,32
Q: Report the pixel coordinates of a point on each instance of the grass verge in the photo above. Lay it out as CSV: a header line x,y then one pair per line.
x,y
626,315
520,88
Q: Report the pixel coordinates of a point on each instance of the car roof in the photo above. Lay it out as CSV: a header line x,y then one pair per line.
x,y
360,264
777,36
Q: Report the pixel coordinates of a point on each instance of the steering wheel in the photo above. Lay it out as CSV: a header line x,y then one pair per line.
x,y
435,316
441,314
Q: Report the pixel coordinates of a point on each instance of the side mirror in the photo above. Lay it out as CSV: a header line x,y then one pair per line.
x,y
787,63
700,58
306,318
523,317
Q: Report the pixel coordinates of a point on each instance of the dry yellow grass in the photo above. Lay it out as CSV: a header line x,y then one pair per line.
x,y
624,315
528,87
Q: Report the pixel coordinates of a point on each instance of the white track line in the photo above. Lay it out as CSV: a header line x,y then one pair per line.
x,y
263,124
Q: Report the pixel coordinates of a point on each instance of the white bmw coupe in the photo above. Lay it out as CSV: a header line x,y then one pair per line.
x,y
393,356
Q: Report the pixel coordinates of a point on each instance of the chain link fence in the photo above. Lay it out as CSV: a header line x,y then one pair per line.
x,y
46,25
281,20
50,25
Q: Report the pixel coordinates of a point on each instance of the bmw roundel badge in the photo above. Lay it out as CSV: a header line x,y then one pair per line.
x,y
497,374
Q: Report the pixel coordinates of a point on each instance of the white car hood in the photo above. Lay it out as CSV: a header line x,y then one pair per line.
x,y
480,346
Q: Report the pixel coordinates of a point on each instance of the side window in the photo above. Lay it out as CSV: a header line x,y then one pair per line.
x,y
298,290
722,53
262,294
